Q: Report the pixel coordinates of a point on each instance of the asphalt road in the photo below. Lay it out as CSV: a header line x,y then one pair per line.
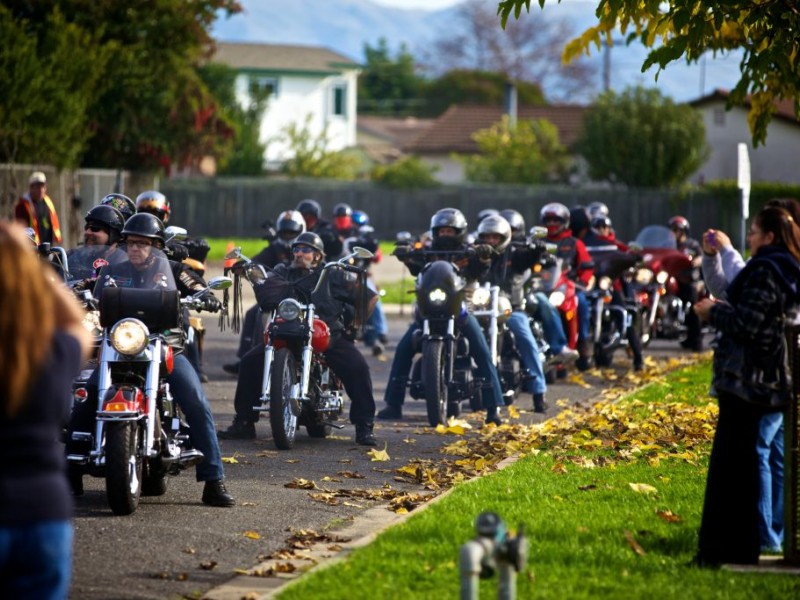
x,y
173,546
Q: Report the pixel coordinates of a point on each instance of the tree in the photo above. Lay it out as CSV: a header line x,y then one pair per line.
x,y
767,31
311,157
640,138
408,173
524,51
388,86
527,153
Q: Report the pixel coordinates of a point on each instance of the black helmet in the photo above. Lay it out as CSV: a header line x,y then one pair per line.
x,y
290,221
122,203
579,220
601,221
496,224
515,220
147,226
110,218
309,207
155,203
342,210
449,217
309,238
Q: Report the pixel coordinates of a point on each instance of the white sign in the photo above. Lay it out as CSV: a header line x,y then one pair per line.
x,y
743,179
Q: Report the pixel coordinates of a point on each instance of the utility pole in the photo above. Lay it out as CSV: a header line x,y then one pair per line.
x,y
607,62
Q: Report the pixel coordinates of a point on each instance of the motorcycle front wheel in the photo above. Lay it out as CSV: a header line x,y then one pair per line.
x,y
434,381
281,418
123,466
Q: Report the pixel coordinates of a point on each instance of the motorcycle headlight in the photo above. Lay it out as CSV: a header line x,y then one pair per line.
x,y
481,298
662,277
557,298
644,276
604,283
129,337
289,309
437,296
504,306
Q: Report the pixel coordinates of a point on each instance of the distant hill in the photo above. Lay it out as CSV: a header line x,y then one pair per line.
x,y
346,25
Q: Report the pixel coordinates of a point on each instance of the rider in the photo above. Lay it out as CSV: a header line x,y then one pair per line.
x,y
141,234
510,263
448,230
688,281
297,280
312,213
122,203
578,266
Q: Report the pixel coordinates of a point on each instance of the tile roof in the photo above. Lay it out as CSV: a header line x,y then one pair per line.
x,y
281,57
397,131
452,131
784,109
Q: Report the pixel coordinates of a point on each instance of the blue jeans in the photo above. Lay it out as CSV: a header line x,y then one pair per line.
x,y
36,560
552,327
478,348
770,469
528,351
584,315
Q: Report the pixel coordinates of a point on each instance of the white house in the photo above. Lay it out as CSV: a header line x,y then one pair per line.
x,y
774,161
305,82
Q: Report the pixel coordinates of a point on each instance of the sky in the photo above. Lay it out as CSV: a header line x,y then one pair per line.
x,y
428,4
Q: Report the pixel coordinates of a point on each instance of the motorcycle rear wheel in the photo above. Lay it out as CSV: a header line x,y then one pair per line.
x,y
282,420
434,381
123,466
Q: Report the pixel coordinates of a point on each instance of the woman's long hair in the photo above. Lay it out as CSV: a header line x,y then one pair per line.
x,y
783,227
27,320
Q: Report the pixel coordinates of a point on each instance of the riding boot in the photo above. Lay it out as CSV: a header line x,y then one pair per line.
x,y
239,430
492,416
539,405
584,361
364,434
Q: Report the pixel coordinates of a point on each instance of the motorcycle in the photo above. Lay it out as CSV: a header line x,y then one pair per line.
x,y
139,434
298,386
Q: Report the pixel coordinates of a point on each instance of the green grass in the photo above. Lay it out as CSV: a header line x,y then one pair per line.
x,y
252,246
578,522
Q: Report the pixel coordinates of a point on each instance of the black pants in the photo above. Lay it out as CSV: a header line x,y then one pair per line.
x,y
342,356
251,330
729,527
687,292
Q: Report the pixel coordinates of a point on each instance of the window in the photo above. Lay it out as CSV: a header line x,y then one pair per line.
x,y
263,87
719,117
339,100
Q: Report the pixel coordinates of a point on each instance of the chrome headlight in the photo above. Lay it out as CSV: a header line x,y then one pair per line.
x,y
504,308
557,298
129,337
644,276
662,277
604,283
289,309
437,296
481,298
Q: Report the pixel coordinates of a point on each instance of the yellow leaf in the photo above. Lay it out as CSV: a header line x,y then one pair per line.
x,y
253,535
230,460
643,488
401,511
513,413
378,455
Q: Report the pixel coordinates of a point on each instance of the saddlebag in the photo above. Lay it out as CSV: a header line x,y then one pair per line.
x,y
157,309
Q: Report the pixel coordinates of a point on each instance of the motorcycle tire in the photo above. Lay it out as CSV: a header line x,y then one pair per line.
x,y
123,467
434,381
282,420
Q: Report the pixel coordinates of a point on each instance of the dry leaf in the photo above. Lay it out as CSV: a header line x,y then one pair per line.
x,y
208,565
301,484
292,460
253,535
634,544
643,488
379,455
231,460
668,516
351,475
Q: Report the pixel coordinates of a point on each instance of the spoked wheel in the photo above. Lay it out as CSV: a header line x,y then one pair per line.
x,y
281,418
434,381
123,466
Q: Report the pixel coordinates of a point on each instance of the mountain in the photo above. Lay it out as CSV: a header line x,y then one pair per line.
x,y
346,25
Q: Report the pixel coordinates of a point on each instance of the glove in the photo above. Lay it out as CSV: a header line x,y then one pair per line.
x,y
210,303
176,252
484,251
84,284
400,252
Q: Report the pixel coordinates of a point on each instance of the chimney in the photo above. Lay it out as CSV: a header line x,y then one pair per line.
x,y
510,104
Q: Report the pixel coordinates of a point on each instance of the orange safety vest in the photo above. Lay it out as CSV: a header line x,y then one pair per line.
x,y
25,208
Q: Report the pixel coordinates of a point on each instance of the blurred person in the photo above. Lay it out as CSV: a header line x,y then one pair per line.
x,y
43,345
37,211
121,202
312,213
688,281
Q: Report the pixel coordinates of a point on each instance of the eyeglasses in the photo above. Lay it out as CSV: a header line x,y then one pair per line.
x,y
93,227
139,243
303,249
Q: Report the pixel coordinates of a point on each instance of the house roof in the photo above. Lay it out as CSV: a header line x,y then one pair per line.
x,y
281,58
453,130
396,131
784,109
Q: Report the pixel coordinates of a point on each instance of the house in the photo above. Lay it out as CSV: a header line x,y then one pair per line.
x,y
452,133
304,82
382,138
774,161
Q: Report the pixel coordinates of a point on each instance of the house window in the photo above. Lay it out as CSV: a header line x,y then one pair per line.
x,y
719,117
264,87
339,100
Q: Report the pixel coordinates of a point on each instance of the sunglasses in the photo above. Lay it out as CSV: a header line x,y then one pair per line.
x,y
93,228
140,244
303,249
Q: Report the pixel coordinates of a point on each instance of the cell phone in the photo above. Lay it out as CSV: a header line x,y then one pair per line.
x,y
711,239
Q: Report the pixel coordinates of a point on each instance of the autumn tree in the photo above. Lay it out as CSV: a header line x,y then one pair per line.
x,y
640,138
311,157
528,152
388,85
766,31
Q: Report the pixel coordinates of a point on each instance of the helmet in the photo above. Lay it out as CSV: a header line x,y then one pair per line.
x,y
554,210
486,212
680,223
155,203
601,221
449,217
309,207
290,221
147,226
497,225
122,203
579,221
309,238
342,210
360,218
515,220
597,209
109,217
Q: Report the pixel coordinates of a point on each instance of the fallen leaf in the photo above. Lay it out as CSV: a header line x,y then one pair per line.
x,y
634,544
231,460
643,488
345,461
189,550
208,565
351,475
513,412
409,441
668,516
379,455
248,504
253,535
292,460
301,484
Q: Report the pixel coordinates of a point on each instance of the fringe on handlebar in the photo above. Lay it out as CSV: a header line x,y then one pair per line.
x,y
236,319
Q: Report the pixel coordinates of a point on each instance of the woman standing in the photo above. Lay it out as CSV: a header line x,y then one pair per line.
x,y
42,344
752,318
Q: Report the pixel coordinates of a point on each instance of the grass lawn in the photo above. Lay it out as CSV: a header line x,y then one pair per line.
x,y
592,533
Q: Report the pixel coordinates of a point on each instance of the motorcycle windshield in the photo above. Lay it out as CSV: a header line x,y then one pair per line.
x,y
549,277
86,262
137,267
657,236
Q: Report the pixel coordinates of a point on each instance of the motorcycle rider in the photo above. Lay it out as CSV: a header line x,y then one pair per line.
x,y
510,263
448,231
121,202
312,213
103,231
688,281
578,266
297,280
142,233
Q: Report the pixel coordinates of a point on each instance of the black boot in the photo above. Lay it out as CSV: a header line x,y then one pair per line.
x,y
391,412
539,405
364,435
584,362
215,494
231,368
239,430
492,416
